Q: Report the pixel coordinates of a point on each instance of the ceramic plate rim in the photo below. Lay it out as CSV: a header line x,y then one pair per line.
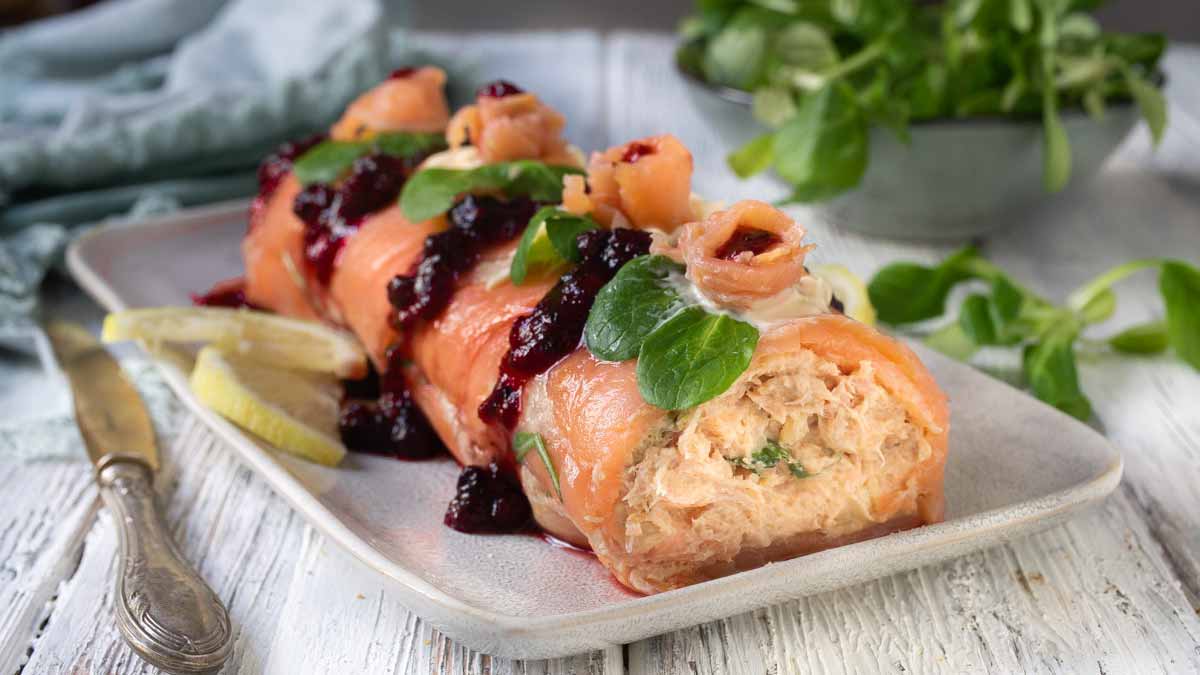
x,y
1016,518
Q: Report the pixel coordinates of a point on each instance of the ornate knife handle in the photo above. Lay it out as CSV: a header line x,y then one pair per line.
x,y
166,612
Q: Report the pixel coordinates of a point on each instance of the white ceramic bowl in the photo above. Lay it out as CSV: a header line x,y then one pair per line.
x,y
956,179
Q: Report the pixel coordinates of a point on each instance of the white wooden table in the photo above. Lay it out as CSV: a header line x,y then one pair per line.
x,y
1115,590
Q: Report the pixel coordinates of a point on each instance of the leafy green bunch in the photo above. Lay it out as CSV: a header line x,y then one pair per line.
x,y
823,72
1009,315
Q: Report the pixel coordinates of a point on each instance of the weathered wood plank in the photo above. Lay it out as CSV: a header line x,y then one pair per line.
x,y
341,617
49,506
243,539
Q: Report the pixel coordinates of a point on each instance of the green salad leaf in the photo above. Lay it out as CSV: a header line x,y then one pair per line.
x,y
823,149
693,357
628,309
824,72
1147,338
329,160
907,292
548,243
1180,287
1048,334
431,192
523,442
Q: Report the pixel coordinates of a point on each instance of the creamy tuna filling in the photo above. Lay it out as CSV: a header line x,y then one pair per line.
x,y
703,495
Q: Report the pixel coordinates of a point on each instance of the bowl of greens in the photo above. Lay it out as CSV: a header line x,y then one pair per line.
x,y
917,119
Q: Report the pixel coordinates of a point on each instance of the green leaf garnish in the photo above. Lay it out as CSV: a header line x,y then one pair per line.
x,y
637,300
1151,102
1049,367
1148,338
753,157
431,192
692,357
523,442
1012,315
1056,151
823,149
1180,287
975,319
907,292
329,160
548,243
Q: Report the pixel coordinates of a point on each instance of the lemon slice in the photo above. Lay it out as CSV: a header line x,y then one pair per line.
x,y
266,338
849,289
294,411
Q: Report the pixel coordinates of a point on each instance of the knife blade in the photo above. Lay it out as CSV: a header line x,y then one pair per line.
x,y
111,418
164,610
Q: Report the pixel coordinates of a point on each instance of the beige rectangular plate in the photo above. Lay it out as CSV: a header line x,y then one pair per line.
x,y
1015,466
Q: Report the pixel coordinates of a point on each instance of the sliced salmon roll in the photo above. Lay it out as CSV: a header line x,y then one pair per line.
x,y
832,433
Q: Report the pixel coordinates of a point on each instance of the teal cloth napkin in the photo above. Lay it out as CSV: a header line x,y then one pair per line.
x,y
160,102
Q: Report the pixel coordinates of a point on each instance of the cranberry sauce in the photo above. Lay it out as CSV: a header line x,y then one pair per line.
x,y
747,239
498,89
553,329
476,224
228,293
636,151
489,500
332,214
391,424
272,169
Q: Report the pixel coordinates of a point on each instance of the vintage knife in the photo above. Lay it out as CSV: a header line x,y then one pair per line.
x,y
166,612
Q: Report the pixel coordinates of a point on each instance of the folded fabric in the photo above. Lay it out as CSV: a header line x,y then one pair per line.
x,y
172,98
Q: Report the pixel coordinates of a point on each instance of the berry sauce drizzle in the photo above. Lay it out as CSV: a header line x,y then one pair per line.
x,y
553,329
331,215
390,424
276,166
488,499
228,293
636,151
747,239
476,223
498,89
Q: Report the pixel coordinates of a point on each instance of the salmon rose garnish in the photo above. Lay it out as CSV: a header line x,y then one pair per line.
x,y
746,253
410,100
507,124
647,182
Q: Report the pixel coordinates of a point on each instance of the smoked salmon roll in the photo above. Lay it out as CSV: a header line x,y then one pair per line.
x,y
675,391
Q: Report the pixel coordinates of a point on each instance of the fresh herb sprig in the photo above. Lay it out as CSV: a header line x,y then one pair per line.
x,y
823,72
523,442
1009,315
686,354
329,160
768,457
431,192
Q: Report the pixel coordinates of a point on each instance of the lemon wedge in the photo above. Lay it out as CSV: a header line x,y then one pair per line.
x,y
849,289
265,338
294,411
